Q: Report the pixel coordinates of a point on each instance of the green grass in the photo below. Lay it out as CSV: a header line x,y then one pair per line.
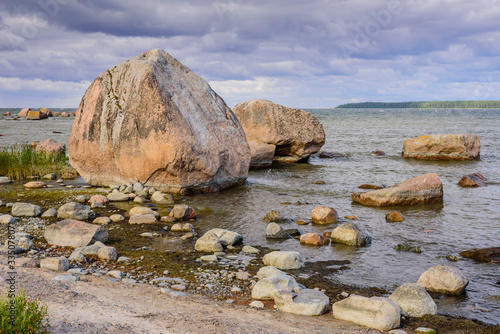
x,y
20,162
30,315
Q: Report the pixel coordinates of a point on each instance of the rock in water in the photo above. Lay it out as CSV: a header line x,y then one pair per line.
x,y
413,300
472,180
424,189
153,119
443,279
296,133
443,147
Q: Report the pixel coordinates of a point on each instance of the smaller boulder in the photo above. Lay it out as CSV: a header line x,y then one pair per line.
x,y
183,212
269,271
35,185
267,287
305,302
443,279
226,237
143,219
284,260
314,239
142,210
472,180
107,253
351,234
50,213
394,216
23,241
209,242
102,221
26,210
324,215
490,254
413,300
274,231
161,198
118,197
116,218
185,227
74,210
273,216
50,146
55,263
7,219
99,198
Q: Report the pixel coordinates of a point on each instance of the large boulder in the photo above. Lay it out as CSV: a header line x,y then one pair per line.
x,y
74,210
20,209
74,233
423,189
351,234
50,146
295,133
378,313
443,147
284,260
443,279
153,119
413,300
305,302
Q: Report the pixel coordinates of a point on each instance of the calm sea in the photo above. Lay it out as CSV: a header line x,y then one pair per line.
x,y
468,218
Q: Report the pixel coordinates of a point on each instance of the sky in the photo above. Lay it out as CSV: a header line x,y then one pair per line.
x,y
302,54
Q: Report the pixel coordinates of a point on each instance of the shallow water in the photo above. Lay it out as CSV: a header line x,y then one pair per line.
x,y
468,218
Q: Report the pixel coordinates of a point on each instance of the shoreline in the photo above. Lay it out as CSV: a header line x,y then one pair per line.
x,y
180,260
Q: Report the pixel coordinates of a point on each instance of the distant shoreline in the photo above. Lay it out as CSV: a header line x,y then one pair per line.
x,y
423,105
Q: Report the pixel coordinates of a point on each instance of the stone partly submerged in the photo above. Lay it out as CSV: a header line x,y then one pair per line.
x,y
153,119
443,147
295,134
423,189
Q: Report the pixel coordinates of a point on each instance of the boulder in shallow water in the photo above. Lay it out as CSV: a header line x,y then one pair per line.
x,y
324,215
209,242
296,133
351,234
443,147
274,231
413,300
490,254
314,239
424,189
472,180
394,216
443,279
153,119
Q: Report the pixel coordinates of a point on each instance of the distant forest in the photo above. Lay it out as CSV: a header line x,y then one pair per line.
x,y
425,104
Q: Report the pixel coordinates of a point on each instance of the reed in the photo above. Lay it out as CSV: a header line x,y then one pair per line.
x,y
20,162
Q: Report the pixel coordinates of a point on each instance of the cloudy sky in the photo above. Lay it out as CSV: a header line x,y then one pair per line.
x,y
315,53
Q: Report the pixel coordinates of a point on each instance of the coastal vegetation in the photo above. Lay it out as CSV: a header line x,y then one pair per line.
x,y
20,162
425,105
22,314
